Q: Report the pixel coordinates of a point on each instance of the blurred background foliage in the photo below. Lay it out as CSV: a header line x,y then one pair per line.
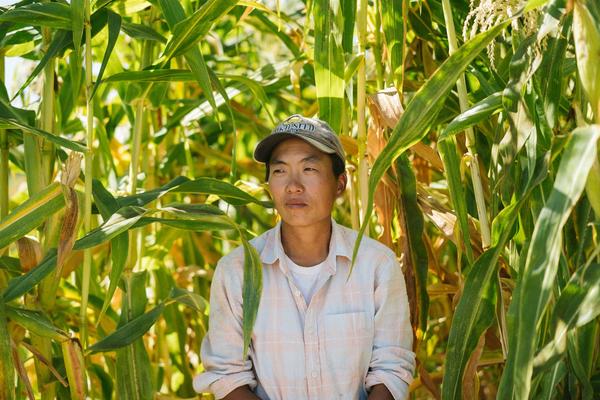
x,y
126,138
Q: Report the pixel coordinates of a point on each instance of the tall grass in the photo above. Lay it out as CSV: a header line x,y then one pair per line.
x,y
486,184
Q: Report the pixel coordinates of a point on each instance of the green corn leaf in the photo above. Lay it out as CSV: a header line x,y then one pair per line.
x,y
473,315
30,214
479,112
114,27
224,190
142,32
578,304
7,367
190,299
256,89
199,224
141,199
154,75
413,216
77,19
251,291
59,42
105,202
393,30
118,223
36,322
542,259
421,112
52,15
58,140
127,333
119,245
174,13
274,29
448,152
586,35
191,30
22,284
329,61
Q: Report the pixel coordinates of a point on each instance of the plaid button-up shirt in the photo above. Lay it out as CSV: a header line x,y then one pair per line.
x,y
354,333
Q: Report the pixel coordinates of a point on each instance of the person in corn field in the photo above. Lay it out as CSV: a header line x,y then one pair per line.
x,y
320,333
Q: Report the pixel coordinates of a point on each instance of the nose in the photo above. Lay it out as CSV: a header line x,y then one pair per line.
x,y
294,185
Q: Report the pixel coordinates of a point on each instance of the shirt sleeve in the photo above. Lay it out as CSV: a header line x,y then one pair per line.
x,y
392,361
222,347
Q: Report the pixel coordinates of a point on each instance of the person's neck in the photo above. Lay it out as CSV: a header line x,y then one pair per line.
x,y
306,246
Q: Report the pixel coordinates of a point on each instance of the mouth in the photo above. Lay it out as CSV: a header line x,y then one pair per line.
x,y
295,204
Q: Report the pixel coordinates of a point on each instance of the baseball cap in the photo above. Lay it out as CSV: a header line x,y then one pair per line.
x,y
314,131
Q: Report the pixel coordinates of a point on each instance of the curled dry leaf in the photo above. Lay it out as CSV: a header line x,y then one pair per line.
x,y
470,378
75,366
67,232
30,252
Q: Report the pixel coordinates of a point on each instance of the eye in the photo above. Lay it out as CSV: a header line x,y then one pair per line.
x,y
310,169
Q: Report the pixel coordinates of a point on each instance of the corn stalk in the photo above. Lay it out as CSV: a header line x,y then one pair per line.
x,y
361,90
461,86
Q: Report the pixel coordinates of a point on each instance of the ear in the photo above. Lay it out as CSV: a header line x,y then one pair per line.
x,y
342,181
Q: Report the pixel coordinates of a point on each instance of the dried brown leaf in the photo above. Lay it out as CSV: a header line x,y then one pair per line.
x,y
75,366
470,378
30,252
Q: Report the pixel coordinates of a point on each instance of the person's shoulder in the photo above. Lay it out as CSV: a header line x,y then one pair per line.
x,y
369,247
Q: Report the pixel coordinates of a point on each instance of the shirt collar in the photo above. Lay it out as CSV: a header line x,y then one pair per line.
x,y
340,244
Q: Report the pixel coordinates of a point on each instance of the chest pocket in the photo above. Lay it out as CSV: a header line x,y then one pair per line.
x,y
346,342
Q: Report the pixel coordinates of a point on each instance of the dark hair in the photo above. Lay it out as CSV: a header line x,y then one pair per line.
x,y
336,164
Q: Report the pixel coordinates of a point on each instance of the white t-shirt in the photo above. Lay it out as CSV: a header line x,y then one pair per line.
x,y
305,278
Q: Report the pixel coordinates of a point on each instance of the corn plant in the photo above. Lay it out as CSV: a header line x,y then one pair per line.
x,y
126,136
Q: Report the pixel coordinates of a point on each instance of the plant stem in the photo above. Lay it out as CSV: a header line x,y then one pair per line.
x,y
484,225
3,157
379,62
363,167
89,156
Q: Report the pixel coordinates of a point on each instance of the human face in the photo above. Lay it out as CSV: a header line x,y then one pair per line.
x,y
302,183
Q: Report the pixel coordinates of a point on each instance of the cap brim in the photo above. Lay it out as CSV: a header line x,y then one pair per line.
x,y
263,150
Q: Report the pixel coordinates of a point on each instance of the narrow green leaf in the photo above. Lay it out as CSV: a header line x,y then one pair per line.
x,y
20,285
479,112
106,203
329,61
413,216
142,32
578,304
59,42
141,199
174,13
52,15
36,322
127,333
393,31
58,140
251,291
448,152
154,75
421,112
30,214
542,258
118,223
226,191
190,299
114,27
473,315
191,30
7,367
